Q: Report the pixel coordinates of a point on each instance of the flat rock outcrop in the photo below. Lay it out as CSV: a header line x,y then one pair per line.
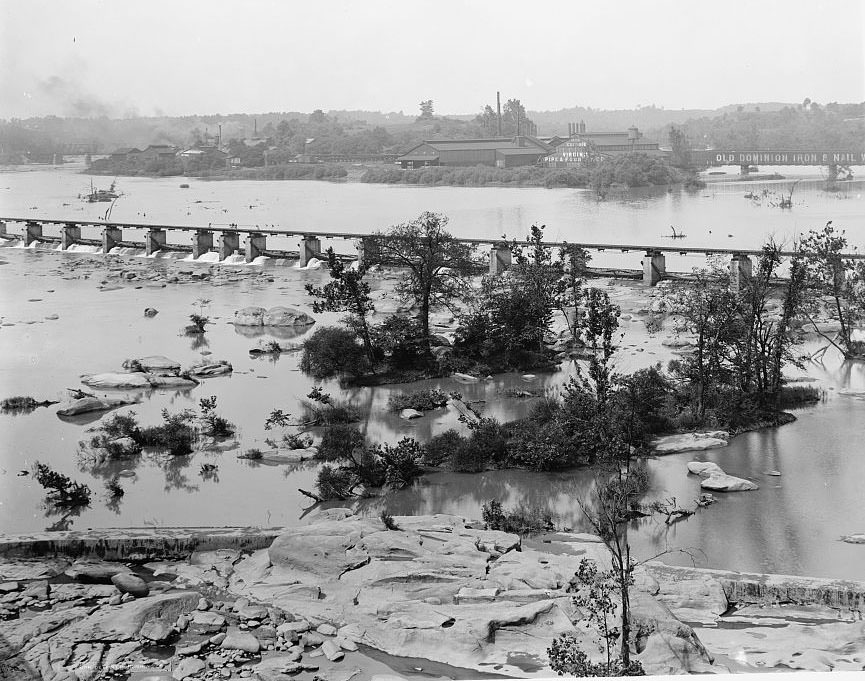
x,y
441,589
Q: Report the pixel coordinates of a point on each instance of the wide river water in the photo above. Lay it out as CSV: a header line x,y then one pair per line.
x,y
791,525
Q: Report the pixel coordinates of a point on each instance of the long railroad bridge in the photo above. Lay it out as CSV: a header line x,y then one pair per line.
x,y
254,245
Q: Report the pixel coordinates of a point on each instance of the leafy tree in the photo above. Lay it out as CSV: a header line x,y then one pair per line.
x,y
426,109
348,292
681,148
710,311
331,351
599,323
436,263
62,491
837,280
568,292
539,275
595,597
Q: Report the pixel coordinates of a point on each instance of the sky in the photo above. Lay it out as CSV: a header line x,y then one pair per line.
x,y
151,57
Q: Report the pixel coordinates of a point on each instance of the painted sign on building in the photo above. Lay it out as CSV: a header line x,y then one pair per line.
x,y
787,158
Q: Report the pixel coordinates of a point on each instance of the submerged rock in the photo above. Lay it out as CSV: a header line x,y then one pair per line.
x,y
408,414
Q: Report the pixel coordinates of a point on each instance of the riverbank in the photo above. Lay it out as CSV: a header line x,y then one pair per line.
x,y
343,597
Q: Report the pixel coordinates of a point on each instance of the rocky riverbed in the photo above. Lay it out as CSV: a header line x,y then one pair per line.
x,y
343,597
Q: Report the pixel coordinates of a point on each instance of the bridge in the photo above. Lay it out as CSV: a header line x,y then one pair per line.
x,y
31,230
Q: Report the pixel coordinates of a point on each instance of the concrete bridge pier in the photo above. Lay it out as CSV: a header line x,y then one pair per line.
x,y
154,241
310,247
500,258
741,271
32,232
111,237
202,242
2,228
229,242
70,234
255,245
654,267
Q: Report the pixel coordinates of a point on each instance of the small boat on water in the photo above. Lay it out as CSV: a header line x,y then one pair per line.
x,y
101,195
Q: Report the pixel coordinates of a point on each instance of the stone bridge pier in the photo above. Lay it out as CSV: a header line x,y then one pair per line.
x,y
154,241
32,232
654,267
111,237
70,234
500,258
310,247
202,242
229,242
741,271
255,245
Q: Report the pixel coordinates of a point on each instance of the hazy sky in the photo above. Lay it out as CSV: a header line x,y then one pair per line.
x,y
87,57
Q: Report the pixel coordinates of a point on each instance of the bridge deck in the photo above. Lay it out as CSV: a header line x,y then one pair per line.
x,y
270,231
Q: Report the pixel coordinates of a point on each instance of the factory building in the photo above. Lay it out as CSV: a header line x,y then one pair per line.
x,y
501,152
584,148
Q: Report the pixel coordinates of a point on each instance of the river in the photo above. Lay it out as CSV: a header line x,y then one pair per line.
x,y
791,525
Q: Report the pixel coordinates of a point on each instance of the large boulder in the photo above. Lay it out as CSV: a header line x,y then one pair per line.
x,y
153,364
275,316
286,316
131,584
705,469
665,645
249,316
86,405
137,380
728,483
125,621
168,381
322,551
206,369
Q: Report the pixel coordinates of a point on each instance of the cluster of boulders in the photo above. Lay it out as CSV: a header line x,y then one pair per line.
x,y
146,373
275,316
715,479
108,618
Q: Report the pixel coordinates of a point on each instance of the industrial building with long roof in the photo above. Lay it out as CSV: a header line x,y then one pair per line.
x,y
504,152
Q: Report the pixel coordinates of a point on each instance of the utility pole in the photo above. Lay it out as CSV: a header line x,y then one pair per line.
x,y
499,110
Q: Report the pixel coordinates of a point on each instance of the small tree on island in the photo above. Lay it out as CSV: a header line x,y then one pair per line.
x,y
348,292
436,263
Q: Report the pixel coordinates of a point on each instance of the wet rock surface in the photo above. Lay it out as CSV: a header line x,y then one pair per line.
x,y
441,591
